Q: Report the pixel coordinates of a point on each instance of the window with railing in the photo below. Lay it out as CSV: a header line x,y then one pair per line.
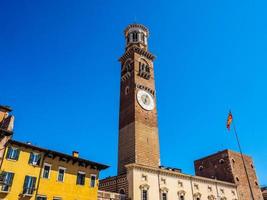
x,y
29,185
35,158
7,179
12,153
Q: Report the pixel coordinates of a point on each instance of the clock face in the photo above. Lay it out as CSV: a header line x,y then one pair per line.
x,y
145,100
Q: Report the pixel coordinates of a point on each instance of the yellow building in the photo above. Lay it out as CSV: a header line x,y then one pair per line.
x,y
31,172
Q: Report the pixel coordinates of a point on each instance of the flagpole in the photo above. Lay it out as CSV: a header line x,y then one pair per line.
x,y
243,160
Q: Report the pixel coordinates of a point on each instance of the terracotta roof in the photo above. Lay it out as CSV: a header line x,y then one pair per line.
x,y
63,156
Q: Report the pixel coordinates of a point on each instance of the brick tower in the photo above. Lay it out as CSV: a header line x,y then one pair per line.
x,y
138,127
228,166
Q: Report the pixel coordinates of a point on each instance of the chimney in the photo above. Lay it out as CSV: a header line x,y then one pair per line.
x,y
75,154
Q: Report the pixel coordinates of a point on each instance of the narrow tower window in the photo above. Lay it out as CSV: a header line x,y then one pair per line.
x,y
135,36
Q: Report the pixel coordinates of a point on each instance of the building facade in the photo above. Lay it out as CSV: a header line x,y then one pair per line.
x,y
228,166
31,172
166,183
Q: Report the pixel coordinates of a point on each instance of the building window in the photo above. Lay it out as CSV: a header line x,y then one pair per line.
x,y
256,183
13,153
34,159
200,168
164,196
135,36
61,173
7,181
41,197
221,161
237,179
29,185
143,37
80,178
46,170
144,195
144,70
122,194
93,181
127,89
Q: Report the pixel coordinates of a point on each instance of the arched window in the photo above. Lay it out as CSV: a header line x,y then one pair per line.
x,y
181,195
144,191
122,194
144,195
127,89
144,70
197,196
164,196
135,36
221,161
143,37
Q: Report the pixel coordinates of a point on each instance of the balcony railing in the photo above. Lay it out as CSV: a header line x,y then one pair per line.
x,y
28,191
5,188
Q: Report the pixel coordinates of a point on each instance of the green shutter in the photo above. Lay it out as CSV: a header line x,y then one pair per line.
x,y
17,154
31,158
8,153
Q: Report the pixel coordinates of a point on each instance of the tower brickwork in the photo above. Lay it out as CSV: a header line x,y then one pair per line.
x,y
228,166
138,126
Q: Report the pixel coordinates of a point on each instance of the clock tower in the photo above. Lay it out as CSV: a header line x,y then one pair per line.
x,y
138,126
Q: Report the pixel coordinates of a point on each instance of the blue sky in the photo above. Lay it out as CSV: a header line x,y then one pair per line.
x,y
60,73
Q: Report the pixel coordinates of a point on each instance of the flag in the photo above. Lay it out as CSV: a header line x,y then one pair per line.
x,y
229,120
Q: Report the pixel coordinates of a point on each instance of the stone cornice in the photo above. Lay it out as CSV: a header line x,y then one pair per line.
x,y
178,175
135,49
136,26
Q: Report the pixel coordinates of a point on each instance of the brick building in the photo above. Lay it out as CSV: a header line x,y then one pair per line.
x,y
264,192
228,166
